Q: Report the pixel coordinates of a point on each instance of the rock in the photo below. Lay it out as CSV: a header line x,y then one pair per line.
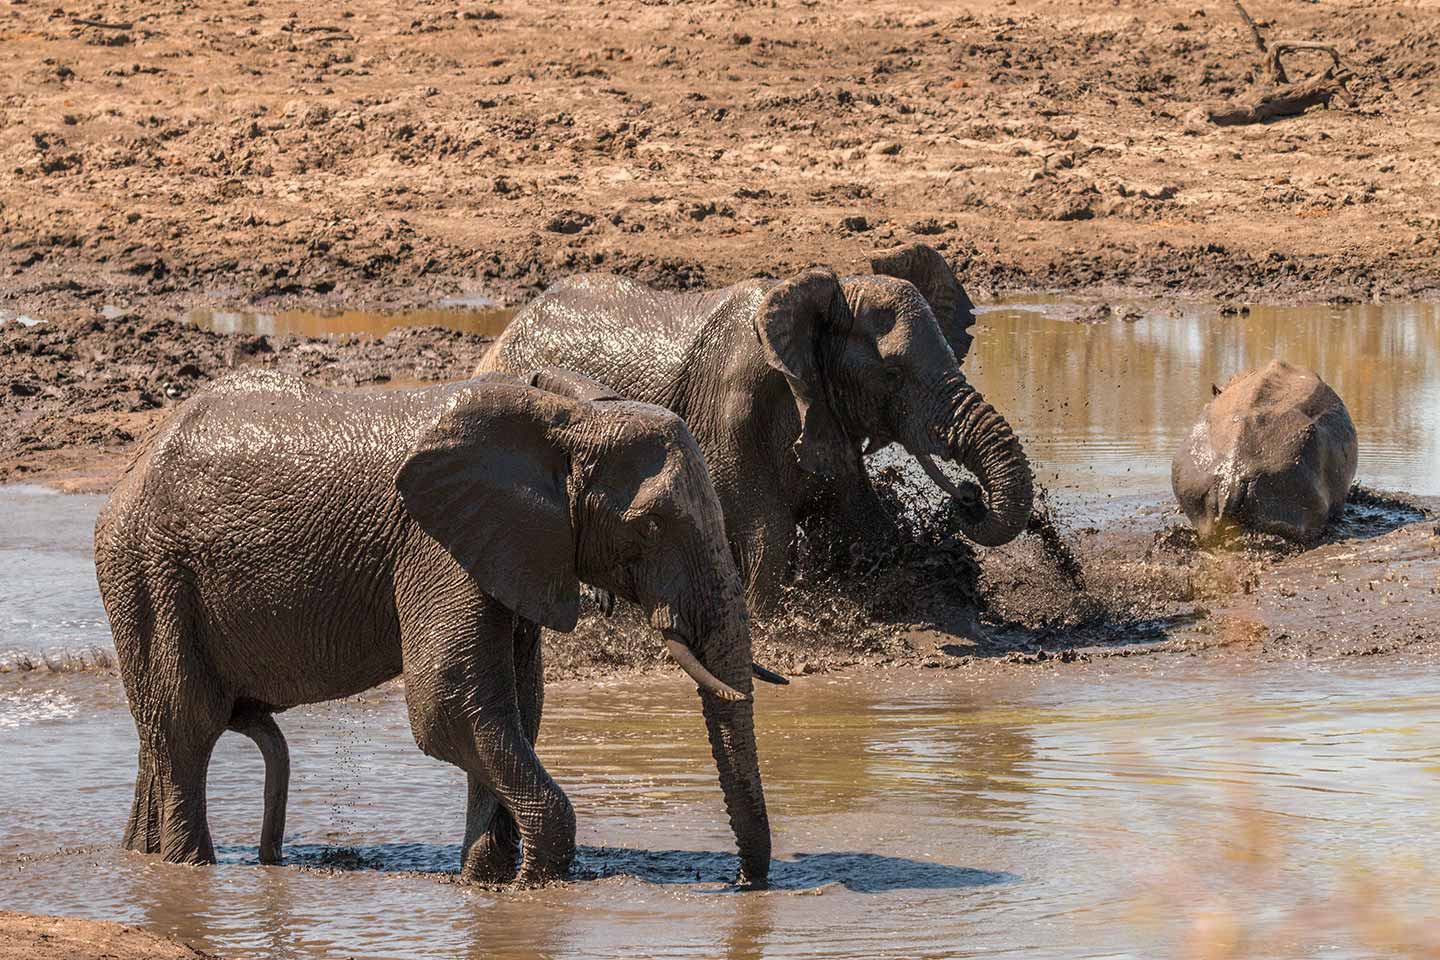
x,y
568,221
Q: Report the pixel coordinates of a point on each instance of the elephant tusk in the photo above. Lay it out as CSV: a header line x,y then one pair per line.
x,y
966,497
706,680
769,676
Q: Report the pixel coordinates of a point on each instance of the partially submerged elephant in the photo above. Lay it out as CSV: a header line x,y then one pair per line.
x,y
279,544
786,384
1274,452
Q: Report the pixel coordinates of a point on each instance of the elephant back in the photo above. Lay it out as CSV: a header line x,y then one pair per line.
x,y
1266,416
634,339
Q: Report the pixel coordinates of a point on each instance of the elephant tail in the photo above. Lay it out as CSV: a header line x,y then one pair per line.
x,y
261,727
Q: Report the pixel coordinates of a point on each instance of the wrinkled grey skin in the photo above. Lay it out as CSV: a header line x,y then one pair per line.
x,y
1274,452
279,544
784,384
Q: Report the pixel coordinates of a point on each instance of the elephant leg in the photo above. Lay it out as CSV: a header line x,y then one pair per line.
x,y
496,754
178,717
763,539
168,816
262,729
460,688
492,839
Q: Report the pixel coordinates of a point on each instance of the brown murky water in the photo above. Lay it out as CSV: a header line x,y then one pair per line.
x,y
1055,815
1122,809
1133,811
1106,404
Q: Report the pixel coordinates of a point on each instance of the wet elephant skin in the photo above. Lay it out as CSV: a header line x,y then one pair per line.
x,y
278,544
1274,452
786,383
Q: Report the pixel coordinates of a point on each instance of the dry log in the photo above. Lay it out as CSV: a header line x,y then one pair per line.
x,y
1254,30
1280,98
1282,47
102,24
1270,103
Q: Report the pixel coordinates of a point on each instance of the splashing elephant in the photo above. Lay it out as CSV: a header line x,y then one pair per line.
x,y
279,544
1274,452
787,384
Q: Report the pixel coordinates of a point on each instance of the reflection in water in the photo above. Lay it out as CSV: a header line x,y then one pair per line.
x,y
1020,816
484,319
1100,404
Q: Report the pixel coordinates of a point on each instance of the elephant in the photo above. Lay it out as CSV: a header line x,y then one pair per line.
x,y
1274,452
787,384
277,544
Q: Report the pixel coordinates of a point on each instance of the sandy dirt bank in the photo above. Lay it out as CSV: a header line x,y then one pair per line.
x,y
24,936
156,156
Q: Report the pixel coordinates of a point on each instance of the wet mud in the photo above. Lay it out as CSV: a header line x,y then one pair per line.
x,y
1108,569
360,153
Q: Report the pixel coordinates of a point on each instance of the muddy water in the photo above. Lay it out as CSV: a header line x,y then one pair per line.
x,y
1118,809
1104,406
1108,402
48,598
1073,815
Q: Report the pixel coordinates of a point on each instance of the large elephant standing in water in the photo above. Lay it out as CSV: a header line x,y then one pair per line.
x,y
1274,452
278,544
787,384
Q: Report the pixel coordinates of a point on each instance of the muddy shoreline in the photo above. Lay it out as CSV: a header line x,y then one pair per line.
x,y
25,936
362,155
81,395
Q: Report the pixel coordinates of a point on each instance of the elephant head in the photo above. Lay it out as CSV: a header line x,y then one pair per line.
x,y
876,358
535,490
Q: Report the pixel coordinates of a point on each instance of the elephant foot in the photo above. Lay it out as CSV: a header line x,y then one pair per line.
x,y
167,817
493,859
529,879
745,881
550,852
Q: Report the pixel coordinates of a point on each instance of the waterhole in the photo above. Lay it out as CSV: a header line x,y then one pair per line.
x,y
1064,815
1094,811
1103,393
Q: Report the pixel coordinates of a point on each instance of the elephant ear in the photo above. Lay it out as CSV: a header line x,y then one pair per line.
x,y
927,269
488,480
792,321
570,384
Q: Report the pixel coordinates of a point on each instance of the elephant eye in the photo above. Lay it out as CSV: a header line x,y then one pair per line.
x,y
650,530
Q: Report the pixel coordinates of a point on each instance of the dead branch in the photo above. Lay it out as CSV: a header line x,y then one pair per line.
x,y
1254,30
101,24
1280,98
1282,47
1271,103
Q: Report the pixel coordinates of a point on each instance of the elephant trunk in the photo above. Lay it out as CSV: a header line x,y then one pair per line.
x,y
970,432
731,724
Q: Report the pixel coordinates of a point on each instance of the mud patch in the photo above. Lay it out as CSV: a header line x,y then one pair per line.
x,y
76,396
93,660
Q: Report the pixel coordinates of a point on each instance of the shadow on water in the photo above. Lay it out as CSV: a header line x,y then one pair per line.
x,y
856,872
